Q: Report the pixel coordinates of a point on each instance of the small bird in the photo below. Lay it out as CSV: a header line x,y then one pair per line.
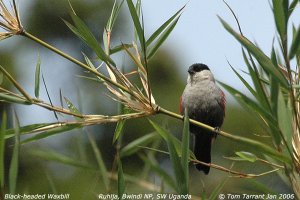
x,y
205,102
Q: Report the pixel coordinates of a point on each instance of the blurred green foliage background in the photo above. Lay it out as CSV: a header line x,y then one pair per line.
x,y
38,175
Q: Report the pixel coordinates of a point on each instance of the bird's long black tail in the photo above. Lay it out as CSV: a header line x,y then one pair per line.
x,y
202,149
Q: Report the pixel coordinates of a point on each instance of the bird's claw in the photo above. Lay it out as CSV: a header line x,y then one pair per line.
x,y
217,129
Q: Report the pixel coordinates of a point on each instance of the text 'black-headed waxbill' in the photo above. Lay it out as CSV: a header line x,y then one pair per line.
x,y
205,102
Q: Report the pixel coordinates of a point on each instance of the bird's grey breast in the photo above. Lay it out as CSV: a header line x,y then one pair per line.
x,y
203,97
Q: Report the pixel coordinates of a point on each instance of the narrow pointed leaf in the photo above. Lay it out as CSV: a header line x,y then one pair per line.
x,y
118,130
258,84
292,7
165,134
60,158
2,148
97,80
100,161
251,90
82,31
136,21
119,48
285,118
274,86
247,156
185,148
1,78
89,62
133,146
280,10
249,103
163,27
9,133
15,83
54,131
253,106
14,163
178,170
37,77
217,191
161,173
262,59
45,85
12,99
161,39
114,14
295,48
121,181
72,108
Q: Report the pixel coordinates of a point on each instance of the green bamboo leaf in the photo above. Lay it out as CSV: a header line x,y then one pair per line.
x,y
216,192
235,158
12,99
133,146
248,102
82,31
121,181
162,38
253,106
14,163
285,119
100,161
37,77
293,6
16,84
163,27
274,86
109,26
9,133
119,48
295,48
1,78
51,183
258,83
97,80
247,156
165,134
89,62
137,61
280,10
160,172
72,108
54,131
251,90
2,148
60,158
47,92
260,187
113,16
178,170
262,59
136,22
185,148
118,130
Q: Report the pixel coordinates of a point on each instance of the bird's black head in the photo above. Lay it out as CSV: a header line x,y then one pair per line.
x,y
198,67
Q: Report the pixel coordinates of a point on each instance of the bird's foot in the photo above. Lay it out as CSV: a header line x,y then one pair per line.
x,y
217,129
